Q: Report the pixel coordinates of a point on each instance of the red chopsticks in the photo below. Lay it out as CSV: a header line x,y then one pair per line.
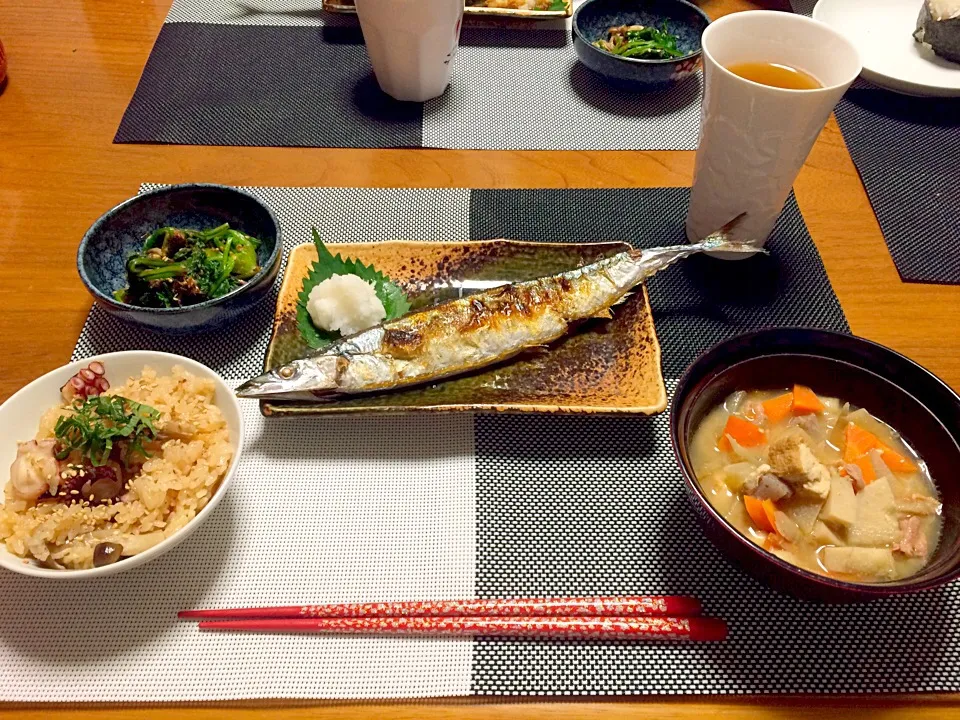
x,y
610,628
638,617
627,606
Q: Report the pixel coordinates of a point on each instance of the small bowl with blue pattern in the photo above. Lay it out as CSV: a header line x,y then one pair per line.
x,y
120,233
594,18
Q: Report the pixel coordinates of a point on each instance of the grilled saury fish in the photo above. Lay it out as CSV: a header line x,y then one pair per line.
x,y
471,332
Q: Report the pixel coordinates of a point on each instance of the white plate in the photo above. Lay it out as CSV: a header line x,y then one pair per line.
x,y
882,30
20,416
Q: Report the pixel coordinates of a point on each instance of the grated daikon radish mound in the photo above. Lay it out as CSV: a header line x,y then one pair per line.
x,y
345,303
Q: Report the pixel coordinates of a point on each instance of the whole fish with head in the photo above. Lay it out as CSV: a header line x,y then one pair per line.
x,y
472,332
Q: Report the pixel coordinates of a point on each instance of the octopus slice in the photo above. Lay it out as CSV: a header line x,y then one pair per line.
x,y
34,471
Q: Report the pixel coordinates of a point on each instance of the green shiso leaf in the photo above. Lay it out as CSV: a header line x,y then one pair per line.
x,y
394,300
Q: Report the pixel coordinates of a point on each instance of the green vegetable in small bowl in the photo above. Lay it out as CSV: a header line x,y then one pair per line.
x,y
639,41
179,267
647,46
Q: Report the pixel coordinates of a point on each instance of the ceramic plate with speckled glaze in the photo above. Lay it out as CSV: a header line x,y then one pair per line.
x,y
347,6
602,366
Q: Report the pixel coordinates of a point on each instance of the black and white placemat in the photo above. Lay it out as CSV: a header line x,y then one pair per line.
x,y
390,508
286,73
907,151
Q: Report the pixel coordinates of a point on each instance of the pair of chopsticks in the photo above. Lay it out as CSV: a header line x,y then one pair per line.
x,y
635,617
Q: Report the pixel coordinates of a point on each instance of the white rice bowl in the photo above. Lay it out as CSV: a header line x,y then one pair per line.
x,y
21,416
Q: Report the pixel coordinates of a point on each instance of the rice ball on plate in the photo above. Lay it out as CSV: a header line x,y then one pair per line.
x,y
345,303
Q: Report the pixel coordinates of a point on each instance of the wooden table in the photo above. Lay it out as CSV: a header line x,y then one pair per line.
x,y
74,65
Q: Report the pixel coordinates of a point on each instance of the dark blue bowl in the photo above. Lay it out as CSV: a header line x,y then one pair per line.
x,y
594,17
892,387
120,232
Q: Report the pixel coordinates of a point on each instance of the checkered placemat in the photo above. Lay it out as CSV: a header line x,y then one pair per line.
x,y
285,73
391,508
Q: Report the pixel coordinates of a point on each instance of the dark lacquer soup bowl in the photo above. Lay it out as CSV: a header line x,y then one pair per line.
x,y
120,232
890,386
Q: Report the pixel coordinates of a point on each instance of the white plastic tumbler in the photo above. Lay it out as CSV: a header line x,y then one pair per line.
x,y
411,44
755,138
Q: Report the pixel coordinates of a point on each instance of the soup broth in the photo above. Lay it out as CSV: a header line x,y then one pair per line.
x,y
776,75
818,483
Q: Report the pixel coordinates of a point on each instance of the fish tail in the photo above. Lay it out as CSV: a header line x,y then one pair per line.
x,y
653,260
724,239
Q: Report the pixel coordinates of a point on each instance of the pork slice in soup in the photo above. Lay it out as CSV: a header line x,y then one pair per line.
x,y
821,484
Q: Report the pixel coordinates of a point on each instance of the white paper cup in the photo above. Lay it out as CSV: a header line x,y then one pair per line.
x,y
411,44
754,138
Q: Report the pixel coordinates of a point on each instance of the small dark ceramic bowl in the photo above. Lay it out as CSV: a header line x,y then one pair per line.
x,y
594,17
120,232
893,388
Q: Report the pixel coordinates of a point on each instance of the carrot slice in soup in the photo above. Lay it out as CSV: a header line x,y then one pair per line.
x,y
769,509
858,442
895,461
743,431
778,408
761,512
805,401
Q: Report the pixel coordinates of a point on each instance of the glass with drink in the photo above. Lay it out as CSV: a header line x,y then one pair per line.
x,y
771,81
411,44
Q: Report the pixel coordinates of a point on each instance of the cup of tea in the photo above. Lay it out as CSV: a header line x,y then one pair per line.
x,y
771,81
411,44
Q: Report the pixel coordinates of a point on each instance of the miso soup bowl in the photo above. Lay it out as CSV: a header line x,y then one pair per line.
x,y
890,386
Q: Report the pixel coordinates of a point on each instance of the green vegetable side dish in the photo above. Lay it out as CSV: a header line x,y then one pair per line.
x,y
98,422
395,301
179,267
641,42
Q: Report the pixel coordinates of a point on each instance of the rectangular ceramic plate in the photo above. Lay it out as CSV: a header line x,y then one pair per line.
x,y
603,366
347,6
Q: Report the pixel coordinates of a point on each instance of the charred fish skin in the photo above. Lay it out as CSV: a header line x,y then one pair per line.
x,y
454,337
468,333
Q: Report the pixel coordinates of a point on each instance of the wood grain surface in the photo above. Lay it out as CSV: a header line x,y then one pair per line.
x,y
884,708
73,66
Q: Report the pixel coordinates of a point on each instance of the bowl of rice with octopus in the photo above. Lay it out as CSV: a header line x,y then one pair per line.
x,y
112,461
